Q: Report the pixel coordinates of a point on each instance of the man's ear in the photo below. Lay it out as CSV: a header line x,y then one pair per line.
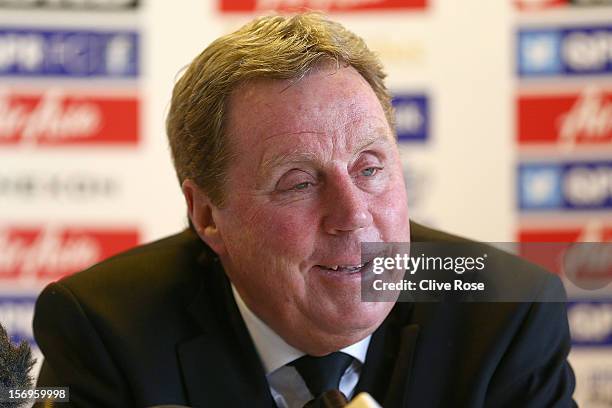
x,y
202,215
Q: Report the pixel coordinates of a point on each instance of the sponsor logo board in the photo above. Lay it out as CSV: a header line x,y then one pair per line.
x,y
16,313
546,4
594,231
585,50
79,186
71,4
590,323
566,120
242,6
579,185
51,252
68,53
418,181
582,255
59,117
590,2
598,387
411,117
592,367
538,4
586,267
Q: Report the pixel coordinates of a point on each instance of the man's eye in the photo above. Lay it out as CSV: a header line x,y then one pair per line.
x,y
295,180
370,171
302,186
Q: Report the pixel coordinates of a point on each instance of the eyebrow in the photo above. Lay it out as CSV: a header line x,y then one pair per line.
x,y
297,156
379,136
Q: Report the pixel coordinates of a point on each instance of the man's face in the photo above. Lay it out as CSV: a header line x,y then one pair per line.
x,y
316,173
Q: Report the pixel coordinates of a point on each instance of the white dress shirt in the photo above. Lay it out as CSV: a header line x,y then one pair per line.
x,y
286,385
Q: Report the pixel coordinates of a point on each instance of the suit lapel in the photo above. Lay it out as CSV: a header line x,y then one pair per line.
x,y
388,366
397,393
214,376
221,367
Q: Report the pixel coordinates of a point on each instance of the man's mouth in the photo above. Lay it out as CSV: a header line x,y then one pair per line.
x,y
347,269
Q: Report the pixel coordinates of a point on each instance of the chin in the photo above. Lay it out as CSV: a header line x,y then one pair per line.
x,y
338,329
361,321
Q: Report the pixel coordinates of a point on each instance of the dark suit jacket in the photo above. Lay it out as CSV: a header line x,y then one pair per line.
x,y
158,325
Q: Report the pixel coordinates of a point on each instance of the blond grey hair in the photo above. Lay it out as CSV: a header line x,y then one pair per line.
x,y
273,47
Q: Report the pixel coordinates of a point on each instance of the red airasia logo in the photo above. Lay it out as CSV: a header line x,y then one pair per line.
x,y
589,233
539,4
49,253
231,6
56,117
581,254
566,120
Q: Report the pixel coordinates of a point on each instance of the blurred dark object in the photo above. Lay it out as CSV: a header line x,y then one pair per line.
x,y
15,365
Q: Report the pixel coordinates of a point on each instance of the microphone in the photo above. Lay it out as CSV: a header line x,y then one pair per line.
x,y
363,400
15,365
336,399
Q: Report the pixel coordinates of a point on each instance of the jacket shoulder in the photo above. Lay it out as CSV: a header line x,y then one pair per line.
x,y
167,262
99,328
421,233
124,294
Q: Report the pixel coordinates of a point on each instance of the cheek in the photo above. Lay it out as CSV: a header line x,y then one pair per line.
x,y
286,231
392,214
290,226
294,233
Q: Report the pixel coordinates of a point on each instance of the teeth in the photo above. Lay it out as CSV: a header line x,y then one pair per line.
x,y
348,267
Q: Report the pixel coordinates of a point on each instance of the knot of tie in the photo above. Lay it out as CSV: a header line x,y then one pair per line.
x,y
322,374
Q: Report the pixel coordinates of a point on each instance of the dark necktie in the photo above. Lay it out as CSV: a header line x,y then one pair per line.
x,y
322,374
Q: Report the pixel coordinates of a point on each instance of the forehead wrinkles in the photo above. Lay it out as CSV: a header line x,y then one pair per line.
x,y
317,147
308,147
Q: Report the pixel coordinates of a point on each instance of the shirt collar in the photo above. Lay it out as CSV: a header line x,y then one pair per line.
x,y
273,350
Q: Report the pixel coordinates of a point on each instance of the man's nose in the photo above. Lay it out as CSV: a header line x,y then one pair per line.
x,y
346,206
